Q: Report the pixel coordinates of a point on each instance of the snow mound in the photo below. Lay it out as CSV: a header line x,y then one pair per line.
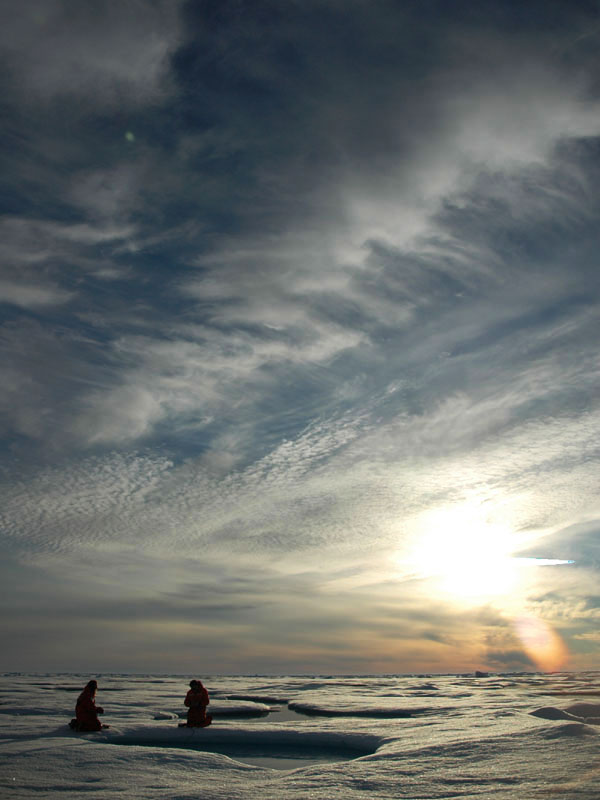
x,y
573,729
578,712
229,708
423,687
590,712
551,712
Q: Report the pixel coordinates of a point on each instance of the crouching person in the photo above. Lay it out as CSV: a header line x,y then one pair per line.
x,y
86,710
196,701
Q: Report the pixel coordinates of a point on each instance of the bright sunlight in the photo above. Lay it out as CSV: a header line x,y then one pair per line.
x,y
468,556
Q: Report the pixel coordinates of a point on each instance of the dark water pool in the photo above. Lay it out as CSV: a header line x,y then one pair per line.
x,y
273,756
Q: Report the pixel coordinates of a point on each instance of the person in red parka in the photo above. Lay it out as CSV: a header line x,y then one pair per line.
x,y
86,710
196,701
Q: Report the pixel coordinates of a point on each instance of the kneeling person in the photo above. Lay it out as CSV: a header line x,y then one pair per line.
x,y
196,700
86,710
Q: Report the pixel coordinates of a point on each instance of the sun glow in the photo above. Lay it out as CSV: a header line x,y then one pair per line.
x,y
542,644
466,555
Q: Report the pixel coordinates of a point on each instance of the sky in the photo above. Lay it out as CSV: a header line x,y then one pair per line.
x,y
299,336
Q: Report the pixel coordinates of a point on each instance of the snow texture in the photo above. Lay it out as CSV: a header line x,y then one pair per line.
x,y
432,737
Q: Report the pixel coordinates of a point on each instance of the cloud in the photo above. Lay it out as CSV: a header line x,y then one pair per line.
x,y
62,48
590,636
341,275
43,262
27,296
509,660
318,286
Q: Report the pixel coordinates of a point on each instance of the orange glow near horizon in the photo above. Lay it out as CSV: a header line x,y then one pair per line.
x,y
542,644
466,556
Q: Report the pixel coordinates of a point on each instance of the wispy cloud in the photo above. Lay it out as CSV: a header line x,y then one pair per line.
x,y
279,284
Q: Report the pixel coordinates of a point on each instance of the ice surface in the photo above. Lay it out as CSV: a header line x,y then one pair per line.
x,y
503,737
571,729
314,710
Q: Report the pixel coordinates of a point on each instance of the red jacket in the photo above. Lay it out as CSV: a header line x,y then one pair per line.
x,y
86,712
197,698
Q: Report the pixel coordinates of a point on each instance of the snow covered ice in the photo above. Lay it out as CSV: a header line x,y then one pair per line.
x,y
505,736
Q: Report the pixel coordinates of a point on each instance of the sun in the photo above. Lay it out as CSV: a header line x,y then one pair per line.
x,y
464,554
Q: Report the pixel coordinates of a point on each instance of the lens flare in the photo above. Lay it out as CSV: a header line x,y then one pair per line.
x,y
542,644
